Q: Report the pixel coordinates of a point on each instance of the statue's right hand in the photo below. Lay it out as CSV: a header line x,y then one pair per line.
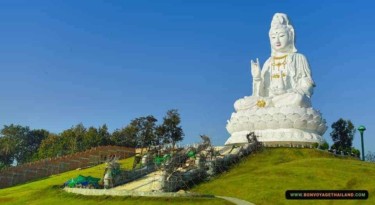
x,y
255,68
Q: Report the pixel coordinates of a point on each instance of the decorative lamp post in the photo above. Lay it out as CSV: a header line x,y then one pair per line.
x,y
362,130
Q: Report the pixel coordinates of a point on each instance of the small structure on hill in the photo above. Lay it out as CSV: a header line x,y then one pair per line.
x,y
111,172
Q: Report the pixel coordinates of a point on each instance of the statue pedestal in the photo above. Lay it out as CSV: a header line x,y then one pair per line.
x,y
285,125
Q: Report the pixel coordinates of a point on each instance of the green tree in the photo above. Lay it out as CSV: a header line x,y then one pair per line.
x,y
104,135
20,137
126,136
160,135
91,138
370,156
342,135
355,152
145,131
170,131
94,137
20,144
33,142
69,141
7,151
324,145
73,138
52,146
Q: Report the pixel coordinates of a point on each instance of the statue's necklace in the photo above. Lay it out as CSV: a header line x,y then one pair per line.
x,y
277,62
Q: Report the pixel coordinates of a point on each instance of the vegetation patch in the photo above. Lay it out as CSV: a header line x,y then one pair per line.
x,y
263,178
48,191
257,178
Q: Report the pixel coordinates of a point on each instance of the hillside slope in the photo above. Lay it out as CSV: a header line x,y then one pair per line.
x,y
263,178
48,191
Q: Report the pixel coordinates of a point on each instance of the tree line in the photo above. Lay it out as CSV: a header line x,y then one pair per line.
x,y
342,135
20,144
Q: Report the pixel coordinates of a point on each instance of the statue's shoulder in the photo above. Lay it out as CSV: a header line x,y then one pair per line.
x,y
298,57
268,61
267,64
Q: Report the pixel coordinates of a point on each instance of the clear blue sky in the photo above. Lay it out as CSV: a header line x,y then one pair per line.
x,y
96,62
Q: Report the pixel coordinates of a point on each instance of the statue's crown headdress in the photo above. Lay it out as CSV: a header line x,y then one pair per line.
x,y
280,19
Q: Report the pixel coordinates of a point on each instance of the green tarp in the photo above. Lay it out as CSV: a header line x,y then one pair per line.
x,y
191,154
161,159
83,181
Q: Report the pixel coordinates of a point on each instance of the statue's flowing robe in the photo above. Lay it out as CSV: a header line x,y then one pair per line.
x,y
298,80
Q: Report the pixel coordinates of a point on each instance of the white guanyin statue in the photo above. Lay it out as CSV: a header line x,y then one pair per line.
x,y
280,110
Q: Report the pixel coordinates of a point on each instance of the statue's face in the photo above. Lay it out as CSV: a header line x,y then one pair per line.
x,y
279,39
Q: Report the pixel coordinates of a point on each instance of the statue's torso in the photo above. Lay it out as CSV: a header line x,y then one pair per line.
x,y
284,73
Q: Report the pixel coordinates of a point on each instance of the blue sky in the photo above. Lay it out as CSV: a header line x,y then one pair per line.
x,y
96,62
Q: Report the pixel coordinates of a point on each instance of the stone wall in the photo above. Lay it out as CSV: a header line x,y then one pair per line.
x,y
43,168
112,192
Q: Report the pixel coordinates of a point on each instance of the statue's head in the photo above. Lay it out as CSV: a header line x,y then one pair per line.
x,y
282,34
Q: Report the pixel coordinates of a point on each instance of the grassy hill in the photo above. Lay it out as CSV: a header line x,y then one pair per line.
x,y
48,191
261,178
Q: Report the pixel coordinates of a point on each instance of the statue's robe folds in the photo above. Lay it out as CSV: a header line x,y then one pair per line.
x,y
298,86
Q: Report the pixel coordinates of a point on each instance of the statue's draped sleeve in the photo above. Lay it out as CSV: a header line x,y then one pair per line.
x,y
261,85
256,86
302,75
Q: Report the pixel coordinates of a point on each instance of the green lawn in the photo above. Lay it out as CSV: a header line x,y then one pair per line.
x,y
264,177
261,178
48,191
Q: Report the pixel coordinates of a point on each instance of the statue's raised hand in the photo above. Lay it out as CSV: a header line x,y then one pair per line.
x,y
255,69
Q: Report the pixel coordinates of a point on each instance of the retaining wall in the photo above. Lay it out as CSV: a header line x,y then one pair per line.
x,y
112,192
